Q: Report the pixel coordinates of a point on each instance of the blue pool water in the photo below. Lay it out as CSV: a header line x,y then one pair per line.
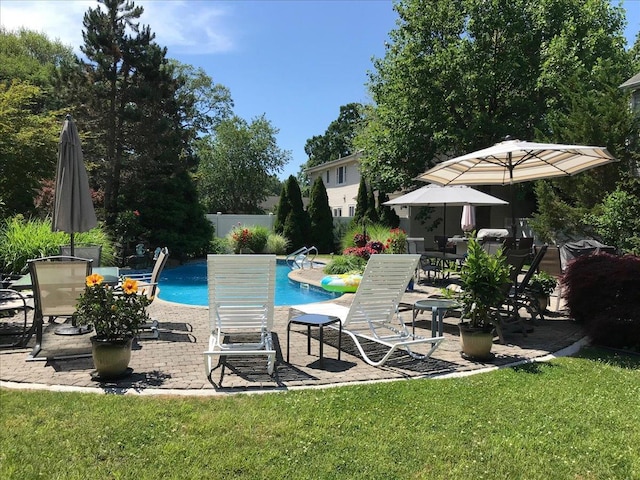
x,y
188,284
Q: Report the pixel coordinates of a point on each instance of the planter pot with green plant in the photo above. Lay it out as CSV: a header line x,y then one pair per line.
x,y
116,315
541,286
484,279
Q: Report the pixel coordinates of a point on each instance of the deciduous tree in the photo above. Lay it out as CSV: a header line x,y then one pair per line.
x,y
28,145
459,75
237,163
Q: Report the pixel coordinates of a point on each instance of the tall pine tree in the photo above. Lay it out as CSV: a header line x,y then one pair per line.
x,y
127,92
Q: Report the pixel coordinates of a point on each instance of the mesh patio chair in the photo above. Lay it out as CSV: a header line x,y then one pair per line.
x,y
148,285
14,323
57,283
520,298
94,252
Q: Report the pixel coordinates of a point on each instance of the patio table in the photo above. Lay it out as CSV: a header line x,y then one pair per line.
x,y
438,307
110,274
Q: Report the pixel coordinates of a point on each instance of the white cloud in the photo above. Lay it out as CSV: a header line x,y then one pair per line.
x,y
188,27
182,26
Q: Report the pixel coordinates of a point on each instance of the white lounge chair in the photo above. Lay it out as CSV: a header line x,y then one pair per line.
x,y
241,302
373,314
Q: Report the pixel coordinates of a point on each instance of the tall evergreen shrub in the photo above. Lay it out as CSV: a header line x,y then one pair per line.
x,y
282,210
297,225
321,218
362,202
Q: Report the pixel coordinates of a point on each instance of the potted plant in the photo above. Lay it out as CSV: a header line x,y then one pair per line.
x,y
484,280
541,286
116,315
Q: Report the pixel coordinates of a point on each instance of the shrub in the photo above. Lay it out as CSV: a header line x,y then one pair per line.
x,y
253,237
277,244
321,230
345,264
542,283
396,241
602,293
21,240
360,252
259,237
375,233
220,246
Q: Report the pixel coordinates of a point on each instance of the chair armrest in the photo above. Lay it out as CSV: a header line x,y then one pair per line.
x,y
137,276
14,300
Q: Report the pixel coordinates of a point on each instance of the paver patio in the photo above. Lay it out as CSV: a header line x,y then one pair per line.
x,y
174,364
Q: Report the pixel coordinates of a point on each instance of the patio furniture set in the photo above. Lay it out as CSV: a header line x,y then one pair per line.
x,y
51,289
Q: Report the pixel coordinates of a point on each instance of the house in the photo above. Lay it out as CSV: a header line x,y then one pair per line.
x,y
341,179
633,85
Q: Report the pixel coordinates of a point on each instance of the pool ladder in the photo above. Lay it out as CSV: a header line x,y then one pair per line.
x,y
301,258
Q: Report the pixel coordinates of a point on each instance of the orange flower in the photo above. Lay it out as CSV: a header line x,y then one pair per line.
x,y
129,286
94,279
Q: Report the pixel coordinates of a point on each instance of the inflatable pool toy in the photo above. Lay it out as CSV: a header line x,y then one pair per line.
x,y
345,283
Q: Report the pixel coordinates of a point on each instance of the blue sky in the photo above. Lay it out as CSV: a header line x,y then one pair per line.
x,y
296,62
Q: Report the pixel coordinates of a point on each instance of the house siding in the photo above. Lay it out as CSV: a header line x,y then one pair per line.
x,y
341,195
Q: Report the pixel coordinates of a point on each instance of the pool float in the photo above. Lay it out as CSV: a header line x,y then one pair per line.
x,y
346,282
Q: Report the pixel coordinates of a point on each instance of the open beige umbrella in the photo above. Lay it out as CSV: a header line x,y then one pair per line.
x,y
73,210
514,161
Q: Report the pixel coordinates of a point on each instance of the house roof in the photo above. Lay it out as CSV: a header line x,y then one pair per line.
x,y
354,157
632,83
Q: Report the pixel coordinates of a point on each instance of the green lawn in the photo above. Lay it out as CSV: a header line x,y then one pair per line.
x,y
572,418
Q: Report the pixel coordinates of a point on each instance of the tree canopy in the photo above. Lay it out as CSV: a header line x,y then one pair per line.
x,y
28,141
237,164
337,140
459,75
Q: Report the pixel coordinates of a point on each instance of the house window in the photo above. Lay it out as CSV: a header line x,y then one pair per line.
x,y
327,182
341,175
337,212
352,210
635,101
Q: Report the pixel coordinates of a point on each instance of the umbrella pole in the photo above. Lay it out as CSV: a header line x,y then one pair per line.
x,y
513,206
444,228
513,213
72,245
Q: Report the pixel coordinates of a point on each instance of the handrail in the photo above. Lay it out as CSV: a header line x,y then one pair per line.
x,y
299,258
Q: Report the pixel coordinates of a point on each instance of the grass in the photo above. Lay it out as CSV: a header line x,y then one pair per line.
x,y
572,418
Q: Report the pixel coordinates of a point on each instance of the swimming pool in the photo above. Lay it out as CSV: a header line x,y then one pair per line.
x,y
187,284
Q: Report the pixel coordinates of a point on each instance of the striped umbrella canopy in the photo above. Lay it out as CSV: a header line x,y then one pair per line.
x,y
515,161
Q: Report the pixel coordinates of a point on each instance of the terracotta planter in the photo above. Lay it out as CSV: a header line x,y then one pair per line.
x,y
475,343
111,357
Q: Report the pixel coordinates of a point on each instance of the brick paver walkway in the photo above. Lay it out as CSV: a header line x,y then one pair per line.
x,y
174,363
